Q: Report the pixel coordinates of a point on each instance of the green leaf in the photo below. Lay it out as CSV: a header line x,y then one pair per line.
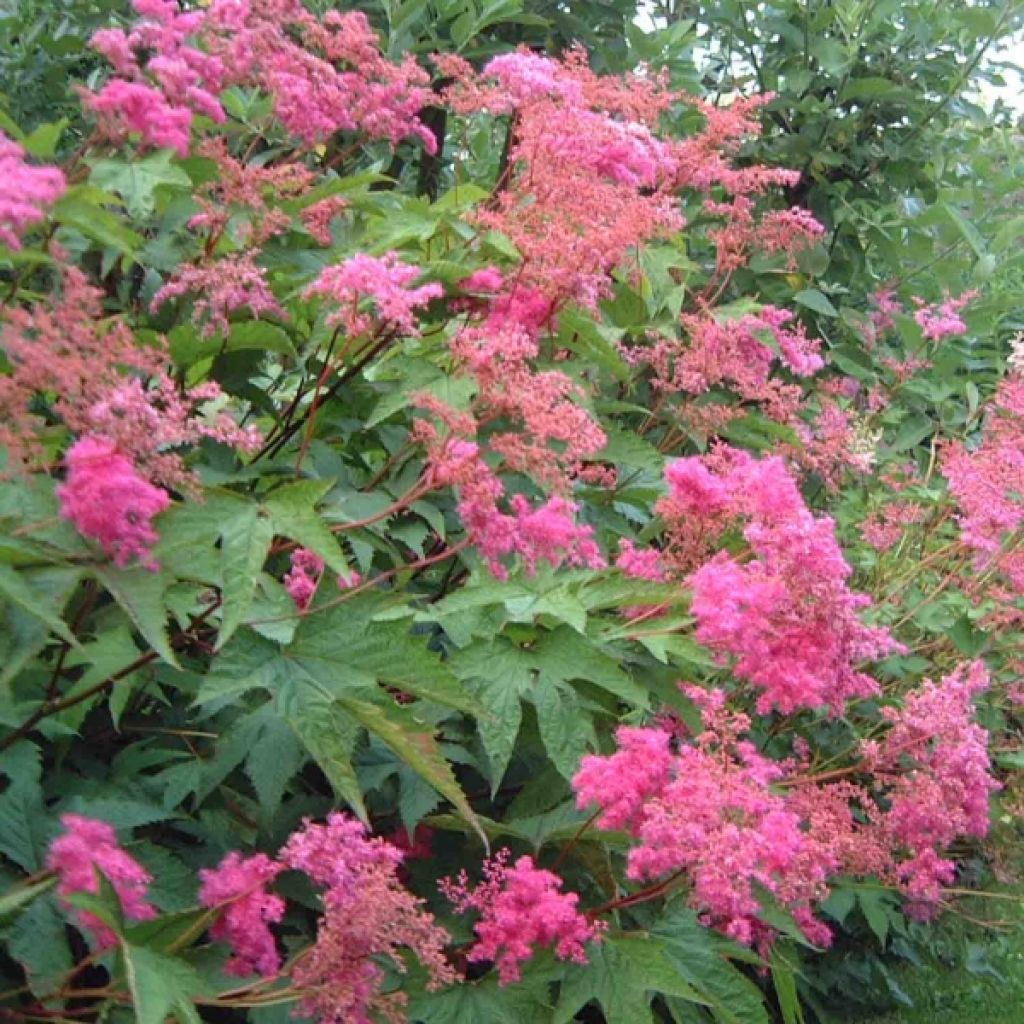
x,y
79,209
414,742
22,634
813,299
272,762
14,899
912,432
292,510
160,985
140,593
622,974
263,337
338,643
328,734
483,1002
784,980
136,180
499,674
876,906
13,588
245,541
562,725
700,957
38,941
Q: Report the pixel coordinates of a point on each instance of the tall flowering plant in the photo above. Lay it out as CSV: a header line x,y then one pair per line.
x,y
476,598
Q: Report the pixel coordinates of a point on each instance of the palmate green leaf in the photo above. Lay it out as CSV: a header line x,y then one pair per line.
x,y
136,180
328,734
293,513
140,593
498,673
702,958
160,985
623,974
339,642
245,541
483,1002
38,940
272,763
15,589
562,724
22,633
414,742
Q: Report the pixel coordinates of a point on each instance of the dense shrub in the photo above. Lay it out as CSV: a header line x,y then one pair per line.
x,y
489,533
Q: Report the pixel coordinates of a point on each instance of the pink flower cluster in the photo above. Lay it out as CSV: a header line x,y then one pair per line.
x,y
303,577
163,78
174,64
367,915
587,179
786,614
27,190
84,848
231,283
109,502
237,888
987,482
732,821
934,761
740,353
942,320
324,76
67,347
385,281
707,809
521,908
548,533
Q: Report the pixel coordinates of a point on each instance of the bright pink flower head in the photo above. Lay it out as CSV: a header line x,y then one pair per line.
x,y
368,915
237,888
88,845
521,908
139,108
303,578
108,501
26,190
623,782
942,320
385,281
639,563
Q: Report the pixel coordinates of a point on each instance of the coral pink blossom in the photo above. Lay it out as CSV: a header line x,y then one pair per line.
x,y
521,908
936,758
303,578
786,615
26,191
943,319
88,846
109,502
707,809
642,564
987,482
384,281
232,283
237,889
368,915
